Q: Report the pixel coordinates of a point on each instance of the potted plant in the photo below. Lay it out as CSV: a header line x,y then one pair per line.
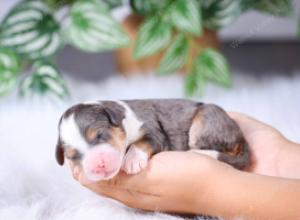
x,y
163,36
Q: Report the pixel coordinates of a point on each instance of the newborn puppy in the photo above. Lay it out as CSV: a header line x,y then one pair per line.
x,y
104,137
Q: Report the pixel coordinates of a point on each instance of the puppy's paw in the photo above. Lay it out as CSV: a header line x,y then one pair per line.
x,y
134,161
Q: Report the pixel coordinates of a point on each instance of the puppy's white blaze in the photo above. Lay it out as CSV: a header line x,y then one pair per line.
x,y
131,124
70,134
211,153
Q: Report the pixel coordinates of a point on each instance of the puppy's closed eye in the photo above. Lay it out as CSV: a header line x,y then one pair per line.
x,y
95,136
100,135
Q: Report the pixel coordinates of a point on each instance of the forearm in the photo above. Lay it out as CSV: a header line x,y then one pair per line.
x,y
250,196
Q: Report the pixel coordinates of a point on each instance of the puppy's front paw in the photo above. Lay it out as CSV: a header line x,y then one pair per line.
x,y
135,160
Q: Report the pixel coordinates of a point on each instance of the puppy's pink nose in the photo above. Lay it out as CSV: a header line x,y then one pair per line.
x,y
101,162
99,168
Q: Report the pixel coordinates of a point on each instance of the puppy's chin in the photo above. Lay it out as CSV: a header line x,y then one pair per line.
x,y
105,176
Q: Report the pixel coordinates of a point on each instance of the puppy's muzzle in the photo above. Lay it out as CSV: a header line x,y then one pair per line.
x,y
102,162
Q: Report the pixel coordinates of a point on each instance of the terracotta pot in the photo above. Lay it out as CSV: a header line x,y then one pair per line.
x,y
128,66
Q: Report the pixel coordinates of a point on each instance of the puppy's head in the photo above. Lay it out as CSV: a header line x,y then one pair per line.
x,y
92,135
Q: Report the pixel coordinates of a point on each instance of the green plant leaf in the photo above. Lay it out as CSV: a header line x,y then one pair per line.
x,y
146,7
9,70
93,29
213,66
248,4
218,14
31,30
113,3
186,16
194,83
175,56
274,7
45,79
153,36
56,4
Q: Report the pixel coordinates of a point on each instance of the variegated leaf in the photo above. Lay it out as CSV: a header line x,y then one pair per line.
x,y
45,79
113,3
186,16
93,29
56,4
153,36
218,14
146,7
175,56
31,30
194,83
213,66
9,70
274,7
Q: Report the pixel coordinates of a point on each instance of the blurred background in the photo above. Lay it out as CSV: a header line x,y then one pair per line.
x,y
254,67
265,44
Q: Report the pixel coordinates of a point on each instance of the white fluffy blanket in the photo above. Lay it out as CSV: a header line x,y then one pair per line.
x,y
33,186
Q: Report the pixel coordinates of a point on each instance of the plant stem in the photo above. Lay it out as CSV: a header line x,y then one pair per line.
x,y
189,62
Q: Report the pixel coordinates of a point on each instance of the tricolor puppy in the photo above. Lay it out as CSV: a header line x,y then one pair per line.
x,y
104,137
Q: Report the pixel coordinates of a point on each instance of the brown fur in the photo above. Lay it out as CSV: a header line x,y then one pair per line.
x,y
195,130
71,152
91,133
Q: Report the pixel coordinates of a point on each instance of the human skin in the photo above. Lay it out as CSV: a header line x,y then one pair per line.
x,y
187,182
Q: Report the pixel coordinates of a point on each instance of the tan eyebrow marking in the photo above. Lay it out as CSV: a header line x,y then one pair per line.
x,y
91,134
71,152
117,138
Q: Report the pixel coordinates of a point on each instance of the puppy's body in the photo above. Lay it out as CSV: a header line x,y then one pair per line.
x,y
133,130
166,123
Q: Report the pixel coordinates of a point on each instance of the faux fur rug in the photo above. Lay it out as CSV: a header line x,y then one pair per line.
x,y
33,186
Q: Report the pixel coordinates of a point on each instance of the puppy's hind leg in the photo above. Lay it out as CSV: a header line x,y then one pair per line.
x,y
213,130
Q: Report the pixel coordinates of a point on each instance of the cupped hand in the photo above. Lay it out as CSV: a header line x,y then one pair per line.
x,y
169,183
266,144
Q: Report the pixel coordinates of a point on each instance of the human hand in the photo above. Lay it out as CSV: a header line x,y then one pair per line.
x,y
269,148
179,182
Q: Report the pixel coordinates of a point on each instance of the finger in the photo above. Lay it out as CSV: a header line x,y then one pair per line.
x,y
122,180
244,119
131,198
112,190
249,124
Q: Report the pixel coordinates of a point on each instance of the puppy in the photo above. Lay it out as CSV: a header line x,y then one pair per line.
x,y
104,137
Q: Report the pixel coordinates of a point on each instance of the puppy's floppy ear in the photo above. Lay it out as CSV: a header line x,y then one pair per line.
x,y
60,153
114,118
